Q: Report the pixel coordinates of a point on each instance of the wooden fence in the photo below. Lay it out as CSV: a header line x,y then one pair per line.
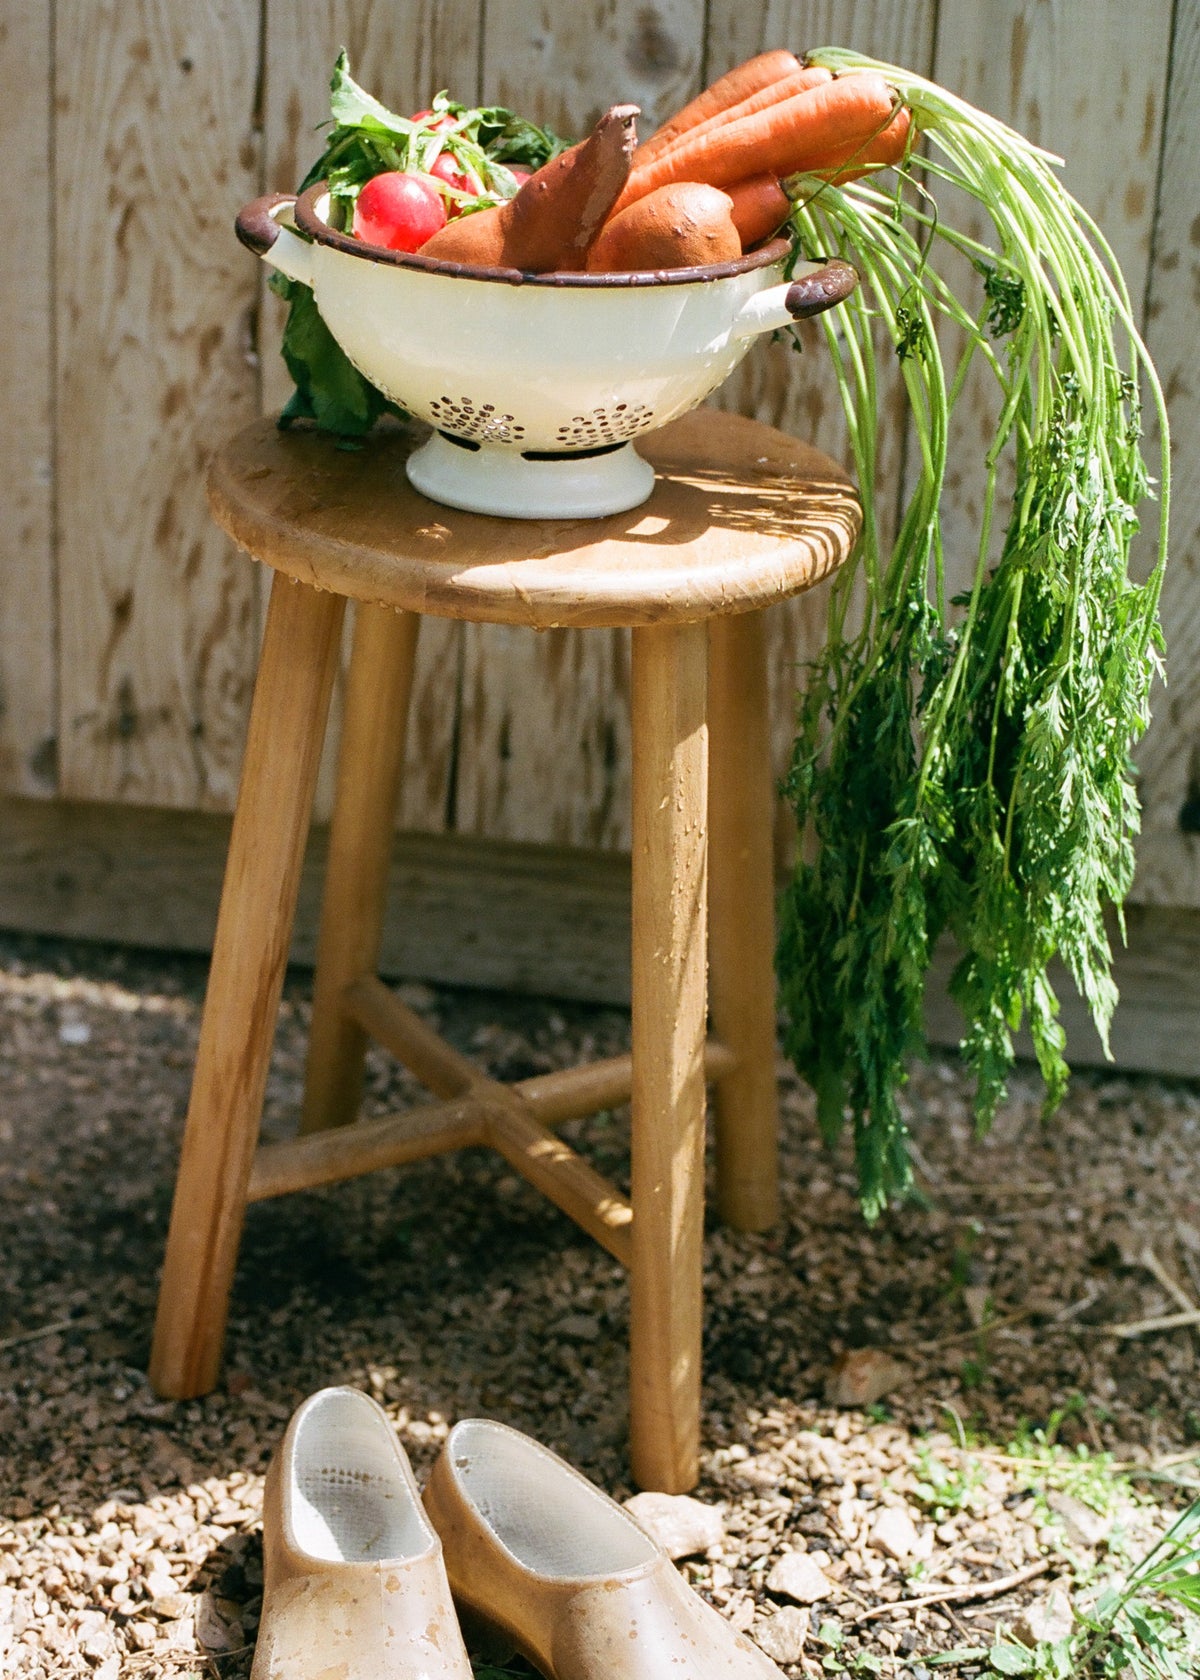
x,y
141,334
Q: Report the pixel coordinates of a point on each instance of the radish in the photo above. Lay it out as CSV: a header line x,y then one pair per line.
x,y
398,211
446,168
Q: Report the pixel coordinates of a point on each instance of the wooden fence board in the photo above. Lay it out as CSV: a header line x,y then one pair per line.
x,y
154,139
28,641
798,392
489,913
544,738
1169,758
404,55
1063,76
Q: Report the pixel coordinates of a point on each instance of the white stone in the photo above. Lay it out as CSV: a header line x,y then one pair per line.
x,y
782,1635
894,1532
1046,1620
1084,1526
797,1575
862,1376
681,1525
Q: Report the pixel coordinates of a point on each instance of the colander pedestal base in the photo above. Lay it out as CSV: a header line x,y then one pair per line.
x,y
502,481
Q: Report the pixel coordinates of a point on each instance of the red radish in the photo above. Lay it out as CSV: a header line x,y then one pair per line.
x,y
398,211
446,168
442,120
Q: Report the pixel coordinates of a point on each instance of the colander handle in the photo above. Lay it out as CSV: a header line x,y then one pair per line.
x,y
814,288
260,231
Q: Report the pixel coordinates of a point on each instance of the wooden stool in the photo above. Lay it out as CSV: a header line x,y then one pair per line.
x,y
741,516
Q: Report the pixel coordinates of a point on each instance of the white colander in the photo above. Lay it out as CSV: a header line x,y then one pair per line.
x,y
535,384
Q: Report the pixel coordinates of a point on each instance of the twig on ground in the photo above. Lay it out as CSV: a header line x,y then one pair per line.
x,y
46,1330
1150,1262
1141,1326
959,1595
975,1330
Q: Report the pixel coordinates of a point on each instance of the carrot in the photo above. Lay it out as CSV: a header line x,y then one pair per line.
x,y
800,82
881,152
728,90
682,225
760,205
818,129
558,213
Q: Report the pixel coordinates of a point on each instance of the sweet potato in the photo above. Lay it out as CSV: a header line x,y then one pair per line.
x,y
682,225
555,218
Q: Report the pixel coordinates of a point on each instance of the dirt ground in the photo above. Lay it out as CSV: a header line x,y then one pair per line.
x,y
129,1527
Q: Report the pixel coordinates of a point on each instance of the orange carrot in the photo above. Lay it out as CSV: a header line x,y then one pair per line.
x,y
881,152
683,225
726,91
558,213
760,206
819,129
800,82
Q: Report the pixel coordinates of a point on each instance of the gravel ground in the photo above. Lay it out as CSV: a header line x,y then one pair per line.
x,y
128,1527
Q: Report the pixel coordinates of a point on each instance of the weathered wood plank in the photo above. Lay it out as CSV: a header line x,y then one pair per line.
x,y
154,145
28,652
1169,757
798,392
462,911
535,919
404,55
565,65
1088,84
544,737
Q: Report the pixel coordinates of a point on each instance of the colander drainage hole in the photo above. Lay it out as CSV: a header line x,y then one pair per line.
x,y
462,443
572,454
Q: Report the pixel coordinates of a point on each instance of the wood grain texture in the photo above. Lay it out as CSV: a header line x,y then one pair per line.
x,y
154,143
28,631
1064,76
404,55
544,734
565,65
739,517
258,901
540,920
741,920
369,774
797,392
669,1006
1169,757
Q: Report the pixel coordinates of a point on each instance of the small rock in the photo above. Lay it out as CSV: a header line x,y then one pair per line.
x,y
797,1575
579,1327
782,1635
218,1624
141,1635
1046,1620
740,1613
173,1606
894,1532
862,1376
417,996
682,1526
976,1297
1083,1525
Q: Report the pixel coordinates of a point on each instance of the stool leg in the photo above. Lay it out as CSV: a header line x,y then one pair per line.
x,y
670,768
360,849
254,925
741,920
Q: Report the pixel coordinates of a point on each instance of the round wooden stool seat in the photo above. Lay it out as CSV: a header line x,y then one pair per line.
x,y
740,516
